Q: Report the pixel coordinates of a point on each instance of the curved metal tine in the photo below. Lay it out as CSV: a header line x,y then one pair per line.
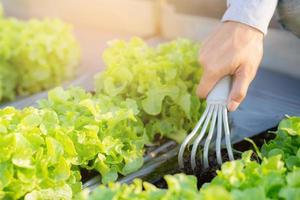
x,y
227,134
219,136
199,138
209,137
189,138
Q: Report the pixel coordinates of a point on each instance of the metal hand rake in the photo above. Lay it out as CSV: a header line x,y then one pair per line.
x,y
215,114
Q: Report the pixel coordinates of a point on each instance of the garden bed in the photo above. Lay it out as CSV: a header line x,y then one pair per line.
x,y
161,159
206,175
270,171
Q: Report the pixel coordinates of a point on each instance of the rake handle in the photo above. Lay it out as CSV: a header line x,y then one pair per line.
x,y
220,92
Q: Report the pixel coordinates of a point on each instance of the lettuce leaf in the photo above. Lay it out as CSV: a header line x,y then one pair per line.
x,y
180,186
286,143
160,79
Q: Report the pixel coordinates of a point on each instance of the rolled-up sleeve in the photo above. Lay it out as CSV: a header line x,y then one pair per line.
x,y
255,13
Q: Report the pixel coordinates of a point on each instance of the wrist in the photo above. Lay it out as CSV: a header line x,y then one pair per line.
x,y
245,27
243,30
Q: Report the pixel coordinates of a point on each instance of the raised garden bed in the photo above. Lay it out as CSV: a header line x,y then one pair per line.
x,y
164,161
269,172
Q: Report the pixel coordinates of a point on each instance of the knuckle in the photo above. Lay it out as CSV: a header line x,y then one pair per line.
x,y
238,96
245,73
209,65
248,74
244,76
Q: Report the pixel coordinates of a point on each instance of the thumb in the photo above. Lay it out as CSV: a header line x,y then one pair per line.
x,y
240,85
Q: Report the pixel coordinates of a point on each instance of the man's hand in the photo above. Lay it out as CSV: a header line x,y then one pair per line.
x,y
233,49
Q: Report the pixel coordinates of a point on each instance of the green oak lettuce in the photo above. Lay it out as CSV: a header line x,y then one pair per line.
x,y
291,191
8,81
247,179
160,79
43,149
8,72
30,160
276,177
104,133
35,55
180,186
239,179
47,55
286,143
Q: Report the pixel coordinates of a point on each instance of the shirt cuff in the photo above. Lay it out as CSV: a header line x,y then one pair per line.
x,y
255,13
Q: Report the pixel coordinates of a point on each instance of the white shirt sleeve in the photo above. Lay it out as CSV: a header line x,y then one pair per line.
x,y
255,13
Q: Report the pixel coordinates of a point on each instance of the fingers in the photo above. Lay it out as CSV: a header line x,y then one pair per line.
x,y
240,85
212,72
207,82
227,52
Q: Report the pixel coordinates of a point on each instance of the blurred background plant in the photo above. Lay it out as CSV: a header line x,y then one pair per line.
x,y
35,55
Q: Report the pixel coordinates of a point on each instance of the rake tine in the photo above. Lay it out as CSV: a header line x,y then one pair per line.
x,y
215,114
209,137
219,136
199,138
189,137
227,134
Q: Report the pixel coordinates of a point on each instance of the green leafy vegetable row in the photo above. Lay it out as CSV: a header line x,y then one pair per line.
x,y
180,186
35,55
276,177
240,179
43,149
34,157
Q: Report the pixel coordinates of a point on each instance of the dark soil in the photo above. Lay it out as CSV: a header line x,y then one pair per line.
x,y
87,174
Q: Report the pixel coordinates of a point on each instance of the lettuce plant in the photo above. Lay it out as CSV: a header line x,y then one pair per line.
x,y
47,55
35,55
8,81
43,149
286,143
105,133
248,179
180,186
239,179
32,160
160,79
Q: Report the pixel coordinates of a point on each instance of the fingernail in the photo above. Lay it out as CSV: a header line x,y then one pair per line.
x,y
232,106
